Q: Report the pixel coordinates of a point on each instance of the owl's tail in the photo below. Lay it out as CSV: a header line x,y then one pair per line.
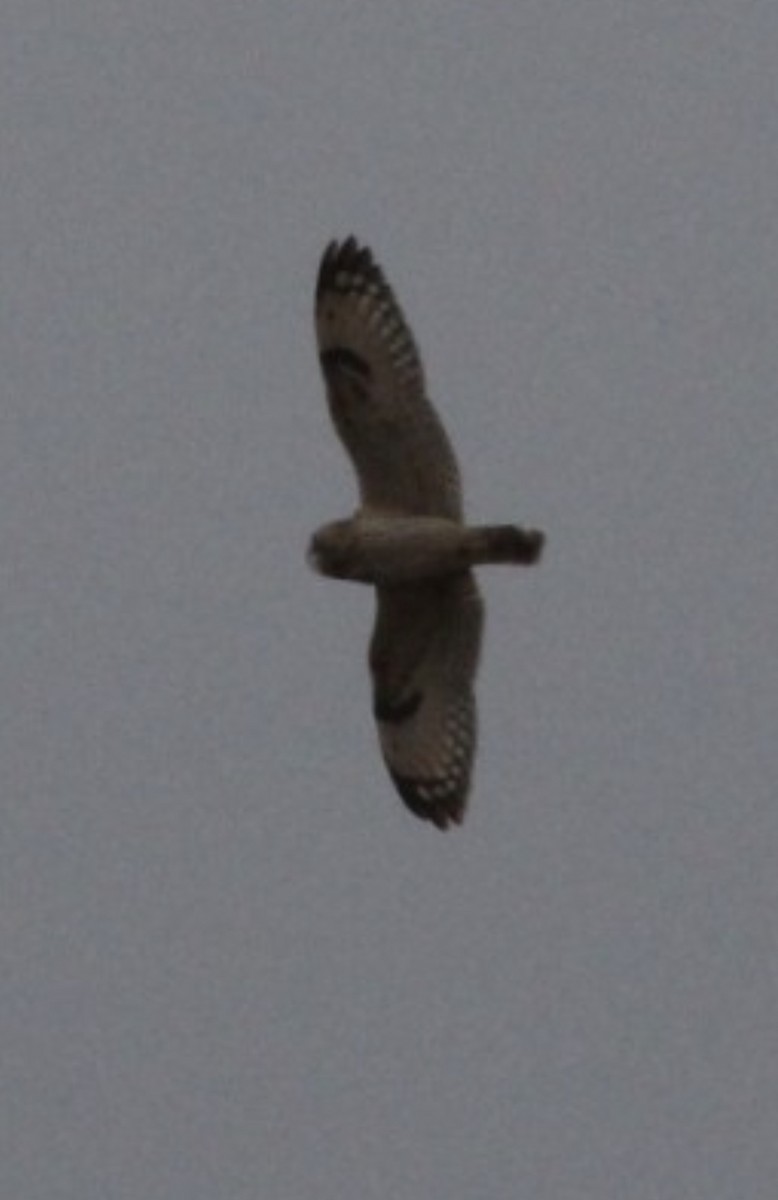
x,y
504,544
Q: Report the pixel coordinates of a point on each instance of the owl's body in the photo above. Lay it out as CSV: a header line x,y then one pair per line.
x,y
388,550
407,539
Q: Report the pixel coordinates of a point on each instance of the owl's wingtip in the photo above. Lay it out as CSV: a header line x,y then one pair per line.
x,y
428,801
347,255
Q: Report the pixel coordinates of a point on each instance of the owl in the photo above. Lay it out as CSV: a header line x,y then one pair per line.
x,y
407,539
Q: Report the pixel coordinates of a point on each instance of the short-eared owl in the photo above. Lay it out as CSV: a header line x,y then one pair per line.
x,y
407,538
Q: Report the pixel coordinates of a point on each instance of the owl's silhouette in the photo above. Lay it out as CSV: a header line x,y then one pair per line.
x,y
408,538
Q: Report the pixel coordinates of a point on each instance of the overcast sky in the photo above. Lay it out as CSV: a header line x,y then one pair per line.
x,y
233,965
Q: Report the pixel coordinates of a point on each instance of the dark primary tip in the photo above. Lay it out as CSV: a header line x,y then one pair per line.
x,y
441,811
346,256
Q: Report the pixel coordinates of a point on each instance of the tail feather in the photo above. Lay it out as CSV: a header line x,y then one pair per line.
x,y
507,544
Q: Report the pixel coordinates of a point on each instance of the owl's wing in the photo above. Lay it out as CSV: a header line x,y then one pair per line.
x,y
423,659
376,392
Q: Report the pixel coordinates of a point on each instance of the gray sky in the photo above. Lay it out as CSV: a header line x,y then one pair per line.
x,y
233,965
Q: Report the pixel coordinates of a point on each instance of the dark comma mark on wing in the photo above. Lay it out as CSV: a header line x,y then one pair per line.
x,y
396,712
344,366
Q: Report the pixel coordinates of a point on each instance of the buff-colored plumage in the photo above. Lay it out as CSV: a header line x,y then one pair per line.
x,y
403,458
407,538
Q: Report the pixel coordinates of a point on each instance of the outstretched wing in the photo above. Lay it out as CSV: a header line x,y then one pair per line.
x,y
423,659
375,387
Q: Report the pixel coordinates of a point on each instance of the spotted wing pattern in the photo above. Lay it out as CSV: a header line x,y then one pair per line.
x,y
376,390
423,659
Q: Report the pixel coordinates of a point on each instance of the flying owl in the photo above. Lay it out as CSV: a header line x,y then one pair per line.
x,y
408,538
